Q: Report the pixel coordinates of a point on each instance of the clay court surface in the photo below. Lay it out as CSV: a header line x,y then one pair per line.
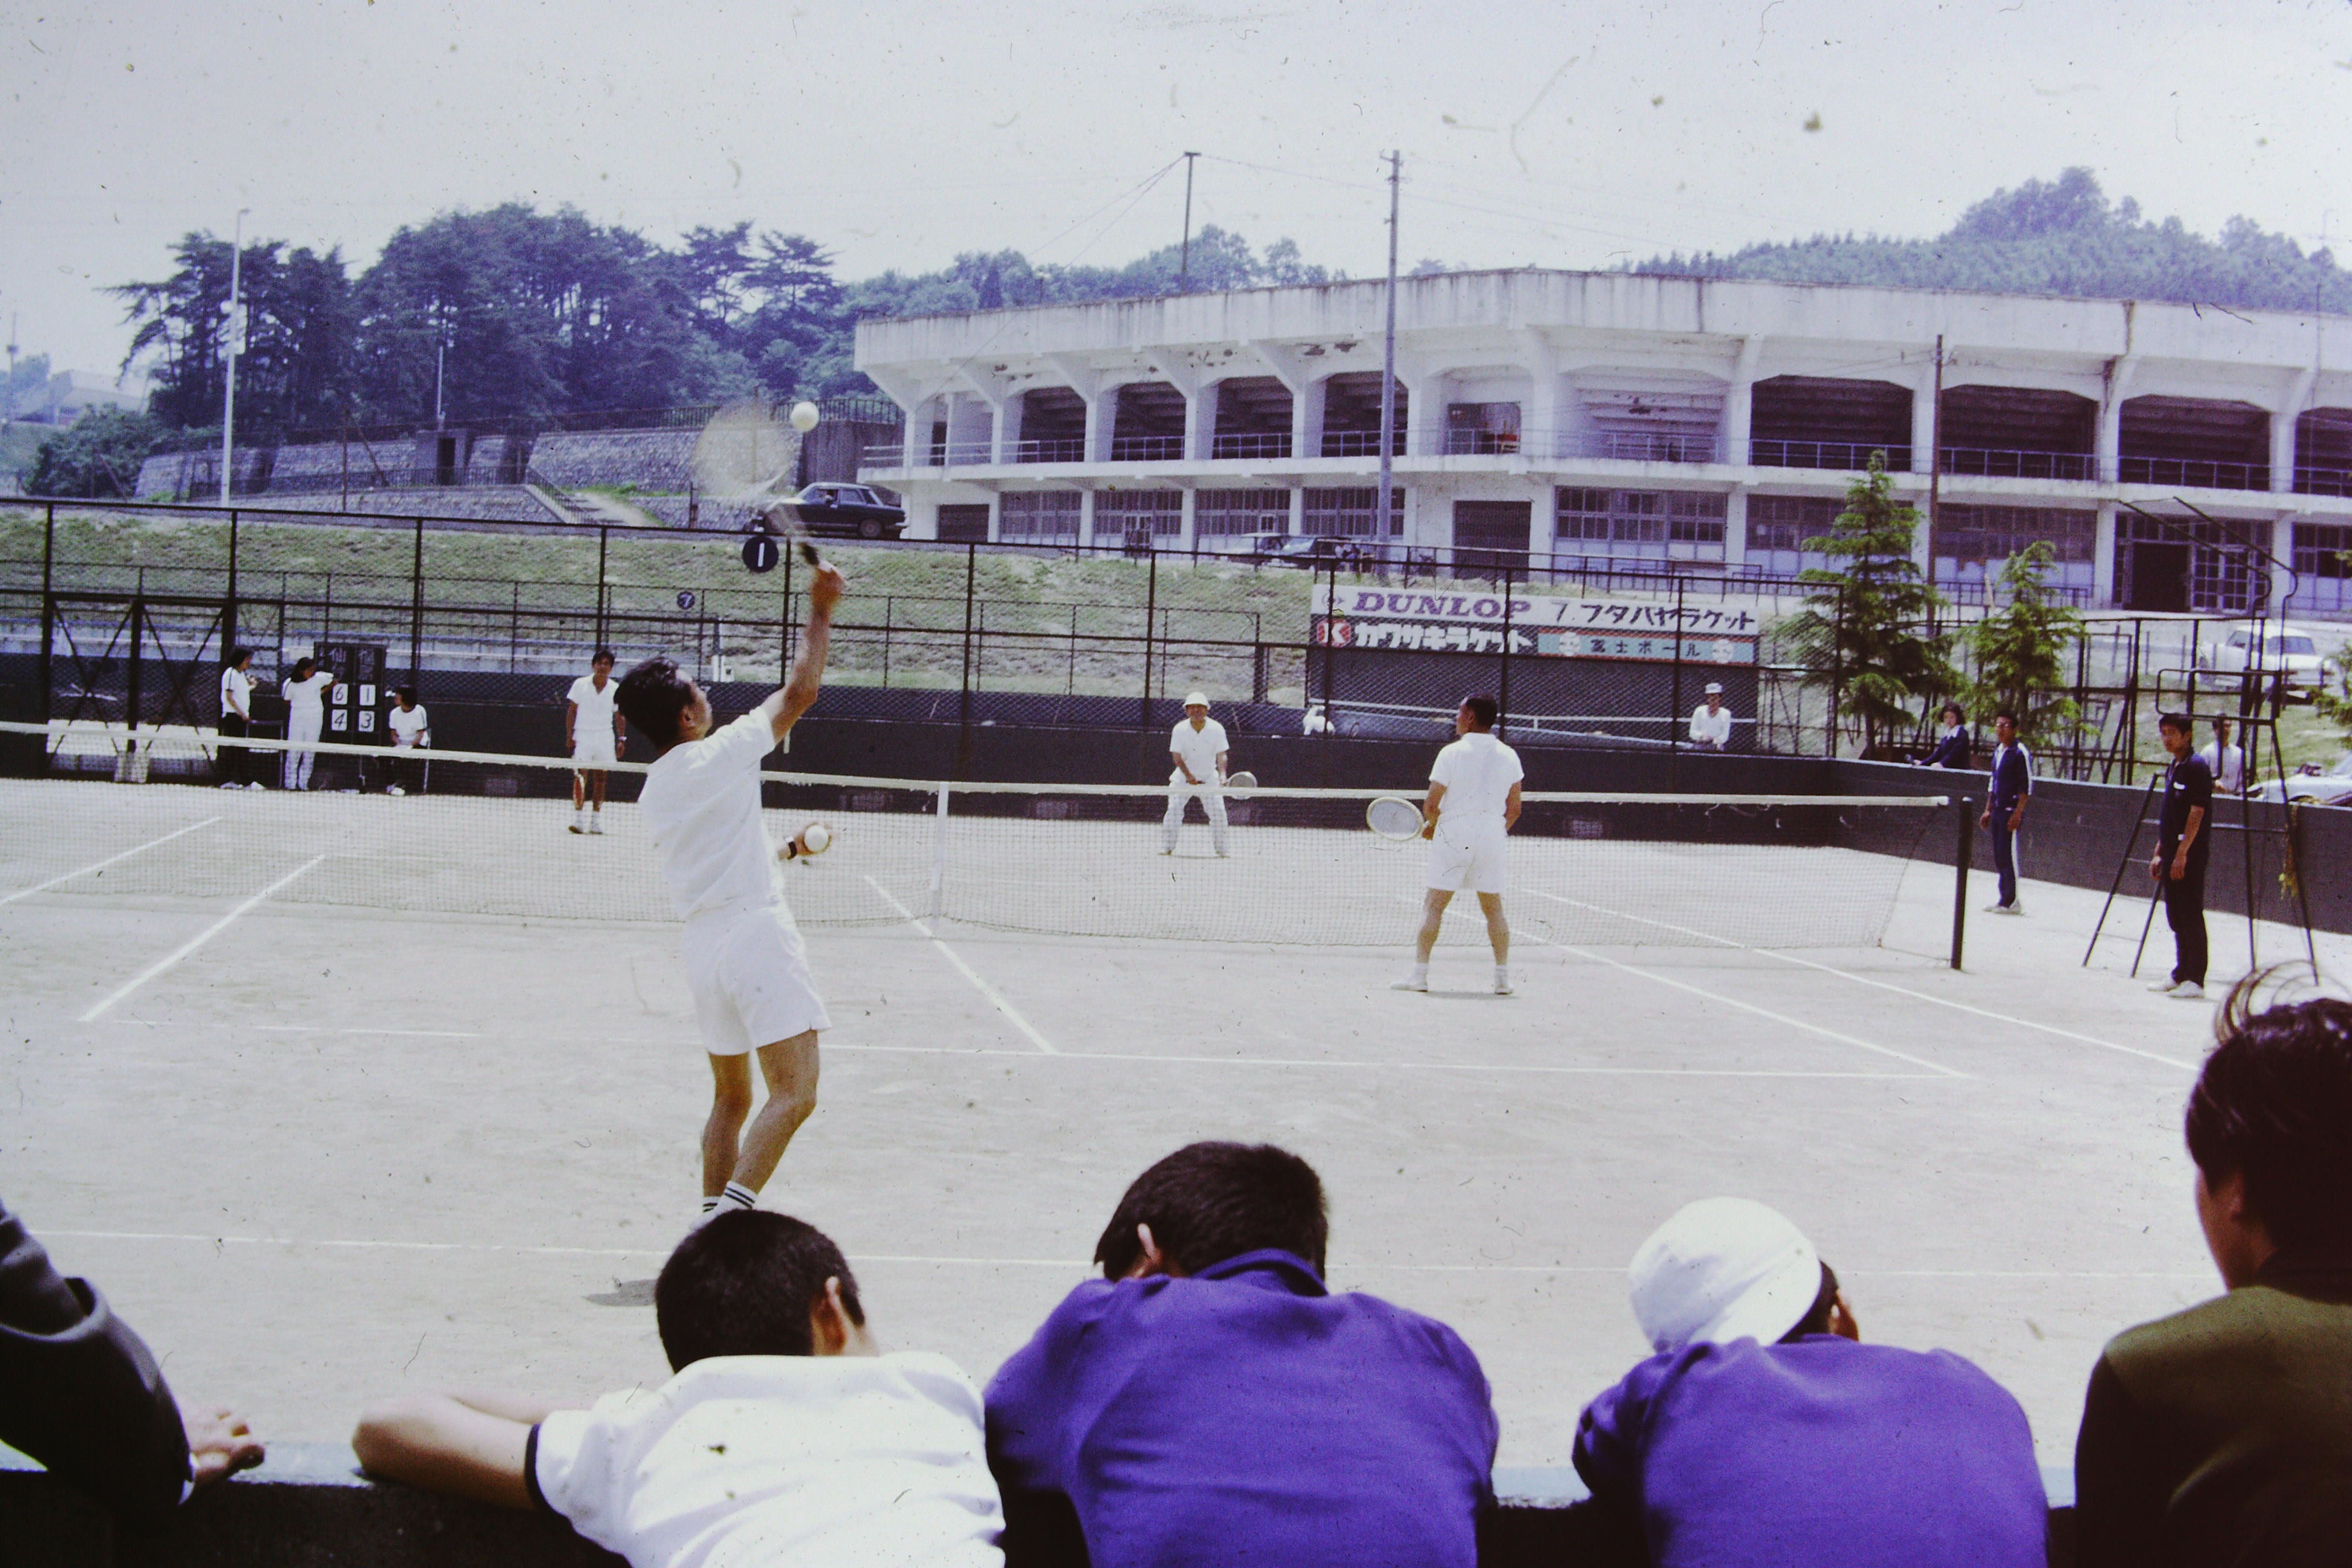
x,y
336,1152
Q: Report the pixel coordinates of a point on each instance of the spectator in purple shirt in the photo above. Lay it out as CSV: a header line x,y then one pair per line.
x,y
1764,1431
1208,1400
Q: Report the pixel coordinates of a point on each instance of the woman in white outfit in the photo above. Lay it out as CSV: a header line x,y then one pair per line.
x,y
306,714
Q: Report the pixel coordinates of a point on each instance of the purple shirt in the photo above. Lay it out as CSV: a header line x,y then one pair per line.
x,y
1819,1451
1246,1414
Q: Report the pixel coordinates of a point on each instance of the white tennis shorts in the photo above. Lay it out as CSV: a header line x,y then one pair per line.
x,y
594,746
748,971
1468,856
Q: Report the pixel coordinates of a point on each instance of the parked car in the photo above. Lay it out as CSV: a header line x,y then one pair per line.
x,y
1316,551
853,511
2263,649
2314,784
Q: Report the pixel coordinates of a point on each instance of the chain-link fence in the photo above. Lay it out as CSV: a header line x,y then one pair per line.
x,y
120,612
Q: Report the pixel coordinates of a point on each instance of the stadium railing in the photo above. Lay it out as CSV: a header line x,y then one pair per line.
x,y
312,1504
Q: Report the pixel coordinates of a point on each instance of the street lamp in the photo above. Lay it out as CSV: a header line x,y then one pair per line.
x,y
236,342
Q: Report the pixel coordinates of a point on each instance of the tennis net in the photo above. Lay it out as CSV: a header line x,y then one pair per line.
x,y
475,834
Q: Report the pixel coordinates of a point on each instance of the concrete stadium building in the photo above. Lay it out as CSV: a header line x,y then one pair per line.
x,y
1602,420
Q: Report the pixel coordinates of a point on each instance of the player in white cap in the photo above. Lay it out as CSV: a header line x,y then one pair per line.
x,y
1197,747
1710,724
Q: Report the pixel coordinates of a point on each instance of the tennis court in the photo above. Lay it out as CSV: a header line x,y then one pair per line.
x,y
318,1151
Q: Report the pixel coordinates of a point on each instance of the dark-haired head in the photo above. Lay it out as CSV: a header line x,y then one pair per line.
x,y
749,1283
1816,1319
407,694
2179,723
603,656
237,658
654,697
303,666
1209,1202
2010,714
1953,714
2274,1106
1484,711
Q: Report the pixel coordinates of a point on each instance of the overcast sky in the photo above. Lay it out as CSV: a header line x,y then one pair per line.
x,y
900,133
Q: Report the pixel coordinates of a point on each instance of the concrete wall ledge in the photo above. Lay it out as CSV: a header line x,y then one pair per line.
x,y
309,1507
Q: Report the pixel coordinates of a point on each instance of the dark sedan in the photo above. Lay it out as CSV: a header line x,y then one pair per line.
x,y
850,512
1315,550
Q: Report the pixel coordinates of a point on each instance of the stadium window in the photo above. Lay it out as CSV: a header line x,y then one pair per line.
x,y
1684,524
1353,513
1220,514
1039,517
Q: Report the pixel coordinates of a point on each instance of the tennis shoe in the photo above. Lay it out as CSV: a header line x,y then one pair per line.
x,y
2189,991
394,789
577,829
596,825
1416,982
1502,986
2165,987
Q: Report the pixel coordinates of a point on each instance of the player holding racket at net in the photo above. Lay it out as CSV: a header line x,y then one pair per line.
x,y
745,961
1197,747
1474,799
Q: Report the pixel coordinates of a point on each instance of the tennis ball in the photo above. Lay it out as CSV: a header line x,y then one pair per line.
x,y
805,416
816,837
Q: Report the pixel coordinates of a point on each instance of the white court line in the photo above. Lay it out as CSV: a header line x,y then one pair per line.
x,y
1070,1263
186,948
1880,985
102,865
996,997
331,1030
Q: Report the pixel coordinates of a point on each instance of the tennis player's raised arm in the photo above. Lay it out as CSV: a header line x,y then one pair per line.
x,y
798,694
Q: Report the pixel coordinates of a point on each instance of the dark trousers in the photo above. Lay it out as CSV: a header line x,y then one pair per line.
x,y
231,760
2004,851
2184,912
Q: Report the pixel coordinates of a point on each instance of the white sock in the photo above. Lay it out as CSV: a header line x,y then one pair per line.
x,y
737,1195
1420,972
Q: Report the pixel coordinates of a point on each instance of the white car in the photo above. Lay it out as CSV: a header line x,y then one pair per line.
x,y
2261,648
2318,786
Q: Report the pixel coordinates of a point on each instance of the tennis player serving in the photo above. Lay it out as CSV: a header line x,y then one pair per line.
x,y
1474,799
745,960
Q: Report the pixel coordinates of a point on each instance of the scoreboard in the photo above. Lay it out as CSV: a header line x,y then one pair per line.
x,y
356,706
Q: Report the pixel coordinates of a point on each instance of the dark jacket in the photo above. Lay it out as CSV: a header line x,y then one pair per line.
x,y
2011,776
79,1391
1951,751
2223,1433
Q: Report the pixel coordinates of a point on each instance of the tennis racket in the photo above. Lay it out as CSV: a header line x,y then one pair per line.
x,y
1239,785
745,457
1393,817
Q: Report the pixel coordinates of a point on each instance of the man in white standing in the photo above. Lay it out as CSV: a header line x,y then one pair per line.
x,y
1197,747
2225,761
306,714
594,732
1474,799
412,732
1710,722
745,961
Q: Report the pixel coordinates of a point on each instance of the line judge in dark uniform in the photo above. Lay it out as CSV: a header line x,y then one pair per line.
x,y
2183,846
81,1393
2011,786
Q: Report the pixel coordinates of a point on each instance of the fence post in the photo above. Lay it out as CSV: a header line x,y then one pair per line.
x,y
1964,861
1837,676
416,608
131,695
1330,645
48,608
604,543
1503,685
1150,609
963,701
1675,706
228,610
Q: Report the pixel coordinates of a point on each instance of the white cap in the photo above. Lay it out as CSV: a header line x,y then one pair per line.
x,y
1196,699
1715,689
1723,1270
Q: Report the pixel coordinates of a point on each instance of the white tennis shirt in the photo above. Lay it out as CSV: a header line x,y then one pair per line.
x,y
596,706
306,701
236,690
406,725
752,1461
1710,728
1477,772
701,806
1198,748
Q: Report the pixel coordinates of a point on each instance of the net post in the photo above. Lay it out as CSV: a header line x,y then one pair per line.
x,y
1963,862
939,855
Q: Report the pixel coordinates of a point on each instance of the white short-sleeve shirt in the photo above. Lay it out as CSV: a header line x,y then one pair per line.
x,y
1711,729
596,706
750,1460
1198,748
702,808
1477,772
2227,764
237,693
406,726
308,698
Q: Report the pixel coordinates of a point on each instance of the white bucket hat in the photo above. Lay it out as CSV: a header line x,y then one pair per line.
x,y
1196,699
1723,1270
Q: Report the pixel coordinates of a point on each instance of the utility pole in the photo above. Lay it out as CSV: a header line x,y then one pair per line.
x,y
235,344
1382,518
1184,266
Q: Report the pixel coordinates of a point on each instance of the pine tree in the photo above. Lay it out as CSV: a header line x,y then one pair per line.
x,y
1861,630
2020,651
